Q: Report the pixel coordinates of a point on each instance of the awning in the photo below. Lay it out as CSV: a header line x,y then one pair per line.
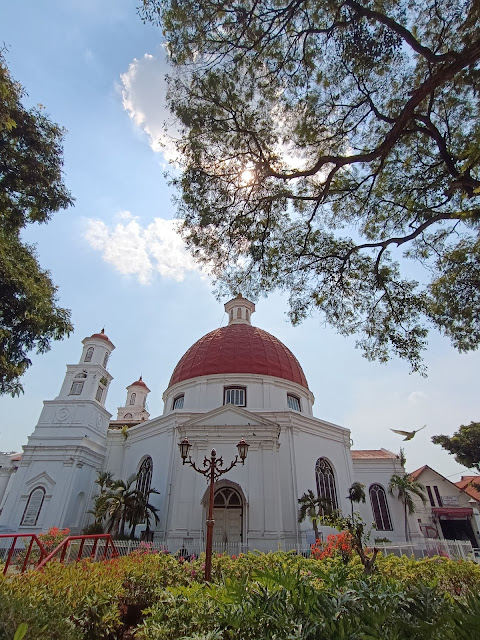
x,y
453,513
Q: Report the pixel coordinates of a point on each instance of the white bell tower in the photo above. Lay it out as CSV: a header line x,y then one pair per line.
x,y
134,409
66,449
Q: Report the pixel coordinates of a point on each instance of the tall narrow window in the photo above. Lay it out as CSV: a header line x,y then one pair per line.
x,y
381,512
430,495
239,313
98,395
105,360
326,487
178,402
132,398
439,497
144,476
235,395
293,402
89,354
33,507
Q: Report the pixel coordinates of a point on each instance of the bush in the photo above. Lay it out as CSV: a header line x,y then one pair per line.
x,y
278,595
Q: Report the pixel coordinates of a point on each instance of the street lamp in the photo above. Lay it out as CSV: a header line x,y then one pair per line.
x,y
212,471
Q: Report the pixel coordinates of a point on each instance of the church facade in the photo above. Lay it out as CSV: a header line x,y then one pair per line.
x,y
235,382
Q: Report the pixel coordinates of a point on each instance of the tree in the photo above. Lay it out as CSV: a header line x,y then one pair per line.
x,y
314,508
325,144
31,190
405,488
464,444
143,511
356,493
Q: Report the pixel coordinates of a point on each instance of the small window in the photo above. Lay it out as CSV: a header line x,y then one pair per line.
x,y
239,313
105,360
293,402
235,395
98,395
89,354
247,314
231,314
82,375
77,388
178,402
439,497
132,398
33,508
128,416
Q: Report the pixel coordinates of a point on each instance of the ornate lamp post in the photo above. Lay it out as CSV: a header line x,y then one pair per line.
x,y
212,471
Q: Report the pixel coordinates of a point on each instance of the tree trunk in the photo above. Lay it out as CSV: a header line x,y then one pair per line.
x,y
406,520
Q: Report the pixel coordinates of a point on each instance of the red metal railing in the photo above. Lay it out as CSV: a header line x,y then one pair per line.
x,y
16,536
109,549
63,547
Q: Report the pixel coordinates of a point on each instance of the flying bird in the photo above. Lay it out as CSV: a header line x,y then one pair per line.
x,y
408,434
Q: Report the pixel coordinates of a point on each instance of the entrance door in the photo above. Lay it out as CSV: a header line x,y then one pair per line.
x,y
228,515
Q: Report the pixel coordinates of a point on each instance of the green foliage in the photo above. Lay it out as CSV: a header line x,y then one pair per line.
x,y
325,144
120,503
31,190
464,444
274,596
405,488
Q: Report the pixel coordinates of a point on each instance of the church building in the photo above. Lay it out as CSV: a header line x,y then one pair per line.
x,y
236,382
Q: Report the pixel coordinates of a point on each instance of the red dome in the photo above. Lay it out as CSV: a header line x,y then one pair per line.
x,y
101,335
239,348
139,383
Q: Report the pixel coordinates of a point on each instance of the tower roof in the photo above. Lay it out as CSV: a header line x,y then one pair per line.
x,y
102,335
139,383
239,348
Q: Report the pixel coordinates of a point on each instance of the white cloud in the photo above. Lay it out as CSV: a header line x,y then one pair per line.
x,y
143,95
416,396
142,251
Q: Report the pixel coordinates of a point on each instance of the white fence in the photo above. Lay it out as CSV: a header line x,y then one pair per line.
x,y
454,549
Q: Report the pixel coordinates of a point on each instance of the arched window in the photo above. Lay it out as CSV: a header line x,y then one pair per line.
x,y
380,509
132,398
239,313
33,507
128,416
326,484
105,360
178,402
227,498
144,476
89,354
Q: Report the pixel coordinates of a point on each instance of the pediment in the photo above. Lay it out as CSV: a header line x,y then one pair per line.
x,y
229,415
41,478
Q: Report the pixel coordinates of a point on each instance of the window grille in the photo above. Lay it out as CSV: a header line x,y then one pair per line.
x,y
178,402
381,512
89,354
293,402
326,487
77,388
235,395
33,507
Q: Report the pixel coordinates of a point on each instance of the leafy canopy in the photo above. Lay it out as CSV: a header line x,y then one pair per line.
x,y
31,190
325,144
464,445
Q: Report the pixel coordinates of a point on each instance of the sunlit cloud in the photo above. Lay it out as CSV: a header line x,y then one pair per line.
x,y
142,251
144,89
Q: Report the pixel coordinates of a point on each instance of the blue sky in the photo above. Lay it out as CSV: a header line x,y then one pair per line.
x,y
119,264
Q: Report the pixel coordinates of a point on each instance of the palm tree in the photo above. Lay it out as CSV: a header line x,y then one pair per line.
x,y
121,499
356,493
406,488
313,508
142,511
